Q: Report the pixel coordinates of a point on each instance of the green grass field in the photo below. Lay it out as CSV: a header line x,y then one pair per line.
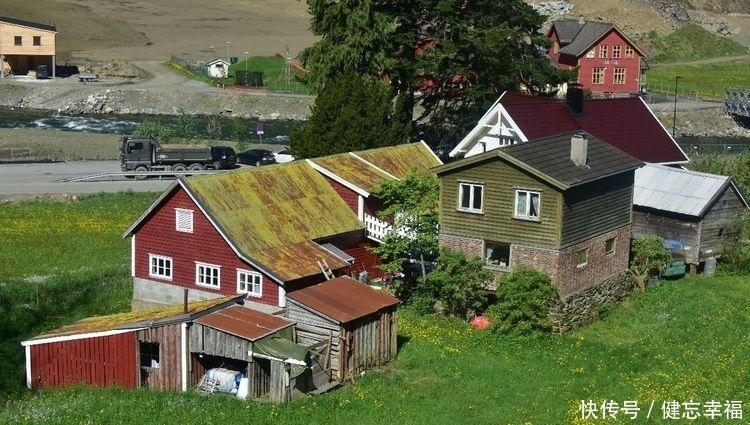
x,y
680,342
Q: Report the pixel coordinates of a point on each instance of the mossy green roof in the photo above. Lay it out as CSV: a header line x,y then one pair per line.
x,y
400,160
134,319
274,214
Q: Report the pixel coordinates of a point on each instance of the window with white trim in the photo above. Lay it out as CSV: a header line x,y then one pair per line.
x,y
616,51
629,52
207,275
582,257
590,53
183,220
470,197
160,266
250,283
603,51
619,76
597,75
609,246
527,205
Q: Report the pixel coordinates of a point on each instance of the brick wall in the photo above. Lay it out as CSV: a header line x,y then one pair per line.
x,y
469,246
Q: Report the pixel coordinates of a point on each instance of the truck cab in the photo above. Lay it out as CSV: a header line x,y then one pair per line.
x,y
135,152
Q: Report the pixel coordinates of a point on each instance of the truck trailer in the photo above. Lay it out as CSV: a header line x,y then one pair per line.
x,y
142,154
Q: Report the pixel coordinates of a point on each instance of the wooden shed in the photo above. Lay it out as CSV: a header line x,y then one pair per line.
x,y
357,322
173,348
689,207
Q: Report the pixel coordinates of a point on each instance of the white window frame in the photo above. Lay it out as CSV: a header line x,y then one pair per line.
x,y
629,52
472,187
252,282
611,251
603,51
160,266
616,51
208,275
580,264
183,219
529,196
590,54
597,75
619,76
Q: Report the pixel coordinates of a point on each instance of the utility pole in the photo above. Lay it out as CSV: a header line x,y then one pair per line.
x,y
674,112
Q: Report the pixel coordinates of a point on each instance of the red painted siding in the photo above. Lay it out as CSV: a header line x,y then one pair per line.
x,y
632,67
349,196
106,361
158,235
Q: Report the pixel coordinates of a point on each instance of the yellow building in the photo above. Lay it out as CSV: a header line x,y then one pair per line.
x,y
25,46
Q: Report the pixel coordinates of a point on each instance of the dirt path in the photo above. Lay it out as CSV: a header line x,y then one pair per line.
x,y
706,61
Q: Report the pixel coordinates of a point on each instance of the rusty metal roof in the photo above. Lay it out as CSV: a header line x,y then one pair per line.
x,y
400,160
245,323
135,319
267,212
343,299
351,171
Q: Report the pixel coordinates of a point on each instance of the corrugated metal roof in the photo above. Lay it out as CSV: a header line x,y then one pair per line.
x,y
400,160
269,212
246,323
135,319
353,171
677,190
343,299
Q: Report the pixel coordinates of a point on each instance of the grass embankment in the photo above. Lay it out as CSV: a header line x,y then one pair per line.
x,y
683,341
279,74
706,64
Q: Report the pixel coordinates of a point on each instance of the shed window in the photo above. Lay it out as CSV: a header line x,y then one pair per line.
x,y
582,257
18,40
527,204
37,40
149,354
470,197
250,283
161,266
184,220
207,275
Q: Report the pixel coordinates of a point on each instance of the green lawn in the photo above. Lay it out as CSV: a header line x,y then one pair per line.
x,y
685,340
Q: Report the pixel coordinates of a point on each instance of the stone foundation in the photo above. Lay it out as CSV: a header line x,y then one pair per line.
x,y
584,307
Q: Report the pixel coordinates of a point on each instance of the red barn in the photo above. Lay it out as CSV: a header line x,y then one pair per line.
x,y
608,63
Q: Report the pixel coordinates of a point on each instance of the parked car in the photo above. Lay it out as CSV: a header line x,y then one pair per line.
x,y
256,157
284,155
224,157
41,72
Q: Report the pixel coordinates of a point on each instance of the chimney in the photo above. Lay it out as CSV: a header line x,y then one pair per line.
x,y
574,98
581,21
579,147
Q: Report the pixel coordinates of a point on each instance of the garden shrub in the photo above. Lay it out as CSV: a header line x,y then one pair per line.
x,y
523,302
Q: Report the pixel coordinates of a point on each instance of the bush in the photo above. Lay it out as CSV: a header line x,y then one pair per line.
x,y
736,246
523,302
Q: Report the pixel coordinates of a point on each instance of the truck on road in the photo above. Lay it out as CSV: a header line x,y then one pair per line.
x,y
143,153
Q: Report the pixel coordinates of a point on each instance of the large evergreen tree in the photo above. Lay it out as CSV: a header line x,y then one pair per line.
x,y
353,112
449,59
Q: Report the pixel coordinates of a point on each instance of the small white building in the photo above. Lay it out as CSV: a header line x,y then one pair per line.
x,y
218,68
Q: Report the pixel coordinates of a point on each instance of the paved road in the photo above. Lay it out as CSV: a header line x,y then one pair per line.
x,y
22,181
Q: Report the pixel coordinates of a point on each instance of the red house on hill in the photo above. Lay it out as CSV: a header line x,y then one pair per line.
x,y
608,63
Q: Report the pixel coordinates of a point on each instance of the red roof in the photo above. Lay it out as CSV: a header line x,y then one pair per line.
x,y
343,299
626,123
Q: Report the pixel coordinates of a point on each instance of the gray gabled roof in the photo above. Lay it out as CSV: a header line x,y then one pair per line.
x,y
23,23
578,37
679,191
549,160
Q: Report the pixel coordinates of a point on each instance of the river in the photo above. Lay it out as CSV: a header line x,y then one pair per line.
x,y
273,132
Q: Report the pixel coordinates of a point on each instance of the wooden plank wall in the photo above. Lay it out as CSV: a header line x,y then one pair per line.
x,y
313,328
168,376
106,361
204,339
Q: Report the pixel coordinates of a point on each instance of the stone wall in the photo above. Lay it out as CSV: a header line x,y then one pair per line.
x,y
584,307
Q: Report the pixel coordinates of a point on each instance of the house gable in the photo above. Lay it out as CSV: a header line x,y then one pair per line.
x,y
626,123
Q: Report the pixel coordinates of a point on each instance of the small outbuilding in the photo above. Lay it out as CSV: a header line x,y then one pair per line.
x,y
690,209
217,68
357,322
215,345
